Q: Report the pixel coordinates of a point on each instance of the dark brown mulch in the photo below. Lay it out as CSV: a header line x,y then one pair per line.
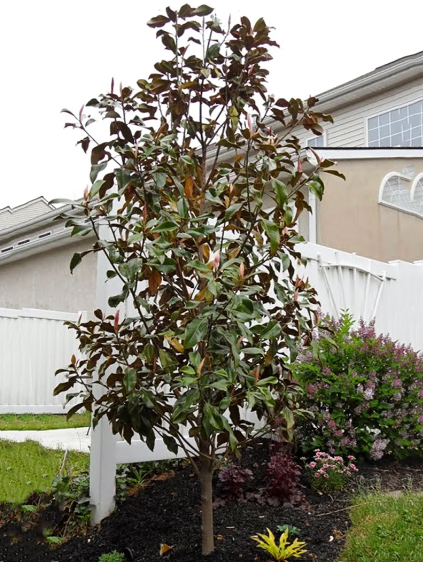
x,y
167,512
392,475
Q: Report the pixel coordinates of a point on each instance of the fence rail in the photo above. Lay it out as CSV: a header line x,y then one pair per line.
x,y
33,344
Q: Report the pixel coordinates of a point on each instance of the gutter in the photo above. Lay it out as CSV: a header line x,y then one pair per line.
x,y
57,238
46,218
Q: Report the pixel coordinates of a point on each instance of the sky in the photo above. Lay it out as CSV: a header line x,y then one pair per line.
x,y
56,54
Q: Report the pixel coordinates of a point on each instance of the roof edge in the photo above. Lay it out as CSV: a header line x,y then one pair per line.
x,y
26,204
391,74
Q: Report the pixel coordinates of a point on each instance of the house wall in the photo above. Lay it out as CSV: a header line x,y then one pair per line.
x,y
350,218
44,281
350,123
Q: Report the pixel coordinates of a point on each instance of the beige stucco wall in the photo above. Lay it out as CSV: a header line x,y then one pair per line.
x,y
44,281
351,219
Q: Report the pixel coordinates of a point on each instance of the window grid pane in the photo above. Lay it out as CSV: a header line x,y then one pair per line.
x,y
398,127
315,142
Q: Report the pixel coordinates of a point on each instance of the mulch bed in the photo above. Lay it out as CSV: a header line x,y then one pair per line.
x,y
167,511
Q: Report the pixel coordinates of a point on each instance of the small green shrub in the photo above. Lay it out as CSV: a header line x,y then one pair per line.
x,y
293,531
114,556
365,390
52,539
73,495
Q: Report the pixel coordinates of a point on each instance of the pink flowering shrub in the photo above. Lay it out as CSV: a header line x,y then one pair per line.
x,y
328,473
365,391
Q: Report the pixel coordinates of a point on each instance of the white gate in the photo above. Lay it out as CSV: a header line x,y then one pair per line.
x,y
33,344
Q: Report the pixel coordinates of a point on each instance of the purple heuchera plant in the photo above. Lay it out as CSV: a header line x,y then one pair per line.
x,y
366,392
233,479
283,476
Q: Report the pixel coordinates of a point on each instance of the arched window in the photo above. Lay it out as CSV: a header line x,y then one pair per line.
x,y
417,193
399,191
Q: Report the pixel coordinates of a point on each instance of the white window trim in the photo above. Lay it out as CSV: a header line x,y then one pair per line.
x,y
324,135
363,153
412,192
368,117
415,182
383,183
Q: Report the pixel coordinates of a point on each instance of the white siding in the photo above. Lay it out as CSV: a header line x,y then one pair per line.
x,y
350,123
13,216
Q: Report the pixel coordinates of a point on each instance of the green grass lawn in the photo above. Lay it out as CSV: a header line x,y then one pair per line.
x,y
28,467
42,421
386,529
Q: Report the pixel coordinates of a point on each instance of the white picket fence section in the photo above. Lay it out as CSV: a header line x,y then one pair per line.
x,y
390,293
33,344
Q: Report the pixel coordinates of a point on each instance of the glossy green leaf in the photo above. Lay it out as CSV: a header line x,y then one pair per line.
x,y
171,443
234,208
183,207
271,330
96,169
130,379
280,192
158,21
273,233
166,226
203,10
95,188
253,351
195,332
160,179
75,261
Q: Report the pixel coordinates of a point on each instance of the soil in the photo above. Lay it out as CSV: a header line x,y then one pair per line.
x,y
167,512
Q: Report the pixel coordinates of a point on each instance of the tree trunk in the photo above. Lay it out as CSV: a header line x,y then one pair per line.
x,y
206,469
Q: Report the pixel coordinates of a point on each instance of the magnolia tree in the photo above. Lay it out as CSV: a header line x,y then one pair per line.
x,y
200,184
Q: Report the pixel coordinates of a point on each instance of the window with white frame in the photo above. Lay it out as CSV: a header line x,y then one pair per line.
x,y
403,191
398,127
316,142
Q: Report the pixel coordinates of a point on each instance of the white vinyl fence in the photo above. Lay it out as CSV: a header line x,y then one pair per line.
x,y
33,344
392,293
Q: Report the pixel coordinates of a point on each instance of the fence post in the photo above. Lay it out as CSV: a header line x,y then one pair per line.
x,y
103,442
102,471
